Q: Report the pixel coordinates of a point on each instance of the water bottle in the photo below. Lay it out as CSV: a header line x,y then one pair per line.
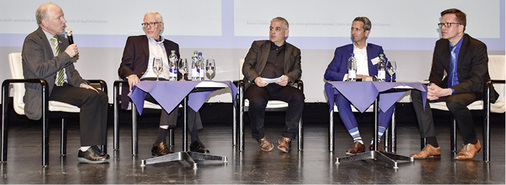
x,y
202,68
195,72
173,66
381,68
352,68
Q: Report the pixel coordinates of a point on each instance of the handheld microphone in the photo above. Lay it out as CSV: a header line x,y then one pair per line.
x,y
68,32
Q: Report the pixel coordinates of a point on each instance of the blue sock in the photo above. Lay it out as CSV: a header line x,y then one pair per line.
x,y
381,131
356,135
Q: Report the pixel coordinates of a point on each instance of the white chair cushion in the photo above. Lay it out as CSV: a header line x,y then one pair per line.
x,y
497,107
63,107
271,104
353,109
476,105
149,105
53,106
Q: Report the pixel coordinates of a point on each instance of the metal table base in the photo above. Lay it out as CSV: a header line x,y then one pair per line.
x,y
391,159
184,156
187,158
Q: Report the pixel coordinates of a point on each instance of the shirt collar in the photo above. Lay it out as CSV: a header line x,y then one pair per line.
x,y
160,41
48,35
356,48
274,46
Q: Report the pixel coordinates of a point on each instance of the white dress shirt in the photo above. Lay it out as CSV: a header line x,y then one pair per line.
x,y
157,50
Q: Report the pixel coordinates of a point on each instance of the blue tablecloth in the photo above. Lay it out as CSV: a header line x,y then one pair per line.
x,y
170,93
363,94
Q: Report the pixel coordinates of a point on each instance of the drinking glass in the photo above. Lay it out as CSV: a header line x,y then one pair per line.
x,y
157,67
210,69
182,66
391,69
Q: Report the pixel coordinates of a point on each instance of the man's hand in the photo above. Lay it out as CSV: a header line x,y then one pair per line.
x,y
132,80
284,81
72,50
259,82
359,76
86,86
435,92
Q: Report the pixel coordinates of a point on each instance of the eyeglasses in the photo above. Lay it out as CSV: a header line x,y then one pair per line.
x,y
448,24
146,24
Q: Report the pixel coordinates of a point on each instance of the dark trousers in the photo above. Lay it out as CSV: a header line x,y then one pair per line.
x,y
457,105
258,97
170,119
93,115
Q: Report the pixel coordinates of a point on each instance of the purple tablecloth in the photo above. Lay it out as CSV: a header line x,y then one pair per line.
x,y
170,93
363,94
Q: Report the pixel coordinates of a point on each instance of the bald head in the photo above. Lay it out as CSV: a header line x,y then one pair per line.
x,y
50,18
41,12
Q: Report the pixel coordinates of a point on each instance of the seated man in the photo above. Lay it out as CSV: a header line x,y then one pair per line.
x,y
366,55
272,59
49,56
465,60
137,63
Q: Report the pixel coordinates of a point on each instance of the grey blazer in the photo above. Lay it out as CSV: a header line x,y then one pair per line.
x,y
39,62
257,56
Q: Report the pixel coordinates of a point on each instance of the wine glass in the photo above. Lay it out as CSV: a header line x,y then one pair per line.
x,y
157,67
182,66
210,69
391,69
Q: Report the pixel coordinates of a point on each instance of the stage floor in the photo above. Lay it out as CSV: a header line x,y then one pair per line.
x,y
315,165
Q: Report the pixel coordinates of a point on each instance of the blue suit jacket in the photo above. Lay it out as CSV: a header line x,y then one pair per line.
x,y
338,67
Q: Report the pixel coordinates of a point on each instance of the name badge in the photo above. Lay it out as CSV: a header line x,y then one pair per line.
x,y
375,60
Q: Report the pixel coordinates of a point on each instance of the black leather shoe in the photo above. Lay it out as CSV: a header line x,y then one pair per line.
x,y
160,149
197,146
92,156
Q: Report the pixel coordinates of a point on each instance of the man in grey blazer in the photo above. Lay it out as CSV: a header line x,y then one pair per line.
x,y
271,59
49,56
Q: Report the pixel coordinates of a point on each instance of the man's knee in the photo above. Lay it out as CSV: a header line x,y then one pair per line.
x,y
416,94
298,97
453,103
256,101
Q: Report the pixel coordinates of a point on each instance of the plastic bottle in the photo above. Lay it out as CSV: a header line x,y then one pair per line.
x,y
202,67
173,65
195,72
381,68
352,68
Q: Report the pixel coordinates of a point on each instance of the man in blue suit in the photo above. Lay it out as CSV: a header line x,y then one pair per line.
x,y
367,58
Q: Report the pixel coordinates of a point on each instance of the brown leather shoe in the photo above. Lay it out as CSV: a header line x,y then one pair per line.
x,y
265,144
428,152
284,144
357,148
380,148
160,149
468,151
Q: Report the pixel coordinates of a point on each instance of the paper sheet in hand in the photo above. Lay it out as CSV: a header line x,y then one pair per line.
x,y
271,80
